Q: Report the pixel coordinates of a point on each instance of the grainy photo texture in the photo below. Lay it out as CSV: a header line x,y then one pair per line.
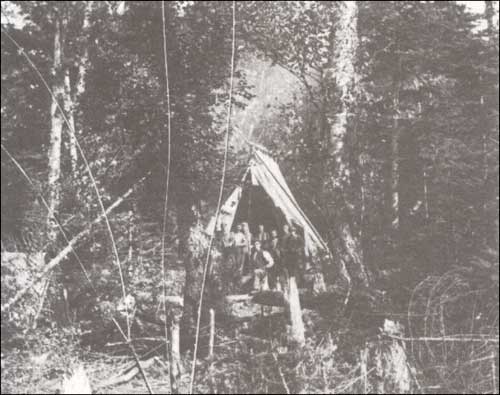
x,y
249,197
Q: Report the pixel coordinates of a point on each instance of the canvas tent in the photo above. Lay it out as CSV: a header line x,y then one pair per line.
x,y
265,198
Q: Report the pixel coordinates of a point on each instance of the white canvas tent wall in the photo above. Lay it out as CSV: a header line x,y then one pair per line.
x,y
264,171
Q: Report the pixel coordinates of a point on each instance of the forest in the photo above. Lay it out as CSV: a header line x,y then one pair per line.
x,y
153,150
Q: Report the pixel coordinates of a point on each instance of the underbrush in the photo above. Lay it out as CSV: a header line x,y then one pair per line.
x,y
259,359
449,344
255,359
37,363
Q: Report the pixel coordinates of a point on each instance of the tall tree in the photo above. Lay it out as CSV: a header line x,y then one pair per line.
x,y
57,123
74,92
344,77
133,74
304,43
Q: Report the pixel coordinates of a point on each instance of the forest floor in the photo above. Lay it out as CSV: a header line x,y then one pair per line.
x,y
252,354
248,354
27,372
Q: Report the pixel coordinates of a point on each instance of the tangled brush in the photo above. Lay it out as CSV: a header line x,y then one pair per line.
x,y
453,327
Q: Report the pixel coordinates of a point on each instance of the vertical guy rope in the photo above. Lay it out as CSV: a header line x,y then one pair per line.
x,y
167,182
217,212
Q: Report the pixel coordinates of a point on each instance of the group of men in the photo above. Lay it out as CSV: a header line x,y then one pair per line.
x,y
266,257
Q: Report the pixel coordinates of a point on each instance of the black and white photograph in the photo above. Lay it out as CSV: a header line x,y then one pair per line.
x,y
249,197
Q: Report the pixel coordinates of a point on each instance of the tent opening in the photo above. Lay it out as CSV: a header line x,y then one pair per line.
x,y
255,208
265,198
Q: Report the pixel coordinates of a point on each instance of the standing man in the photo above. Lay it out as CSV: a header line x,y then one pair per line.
x,y
284,242
285,235
295,252
240,249
291,250
262,236
229,253
262,263
248,246
274,250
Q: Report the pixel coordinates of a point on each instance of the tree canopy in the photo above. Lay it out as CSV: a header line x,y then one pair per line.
x,y
382,115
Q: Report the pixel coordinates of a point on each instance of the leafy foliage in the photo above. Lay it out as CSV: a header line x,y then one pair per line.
x,y
427,77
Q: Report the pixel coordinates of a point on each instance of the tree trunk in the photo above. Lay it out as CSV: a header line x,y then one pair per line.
x,y
489,13
54,262
487,104
395,159
344,76
174,354
342,70
59,306
69,109
192,249
83,66
57,122
73,99
297,335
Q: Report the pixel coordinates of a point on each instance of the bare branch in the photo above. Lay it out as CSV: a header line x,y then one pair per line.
x,y
64,252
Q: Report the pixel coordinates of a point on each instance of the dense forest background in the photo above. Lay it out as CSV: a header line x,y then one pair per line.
x,y
383,117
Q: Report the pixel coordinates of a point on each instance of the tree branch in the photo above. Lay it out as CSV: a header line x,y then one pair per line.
x,y
69,247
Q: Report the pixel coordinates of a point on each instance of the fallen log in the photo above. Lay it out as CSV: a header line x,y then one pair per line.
x,y
268,298
136,340
69,247
238,298
125,375
277,299
466,339
242,336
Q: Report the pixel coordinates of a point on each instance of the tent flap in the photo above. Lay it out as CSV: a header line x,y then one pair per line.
x,y
269,176
227,212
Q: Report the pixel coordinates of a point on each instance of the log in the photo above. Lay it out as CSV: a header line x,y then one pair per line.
x,y
277,299
466,339
238,298
136,340
66,250
127,375
290,300
242,336
268,298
